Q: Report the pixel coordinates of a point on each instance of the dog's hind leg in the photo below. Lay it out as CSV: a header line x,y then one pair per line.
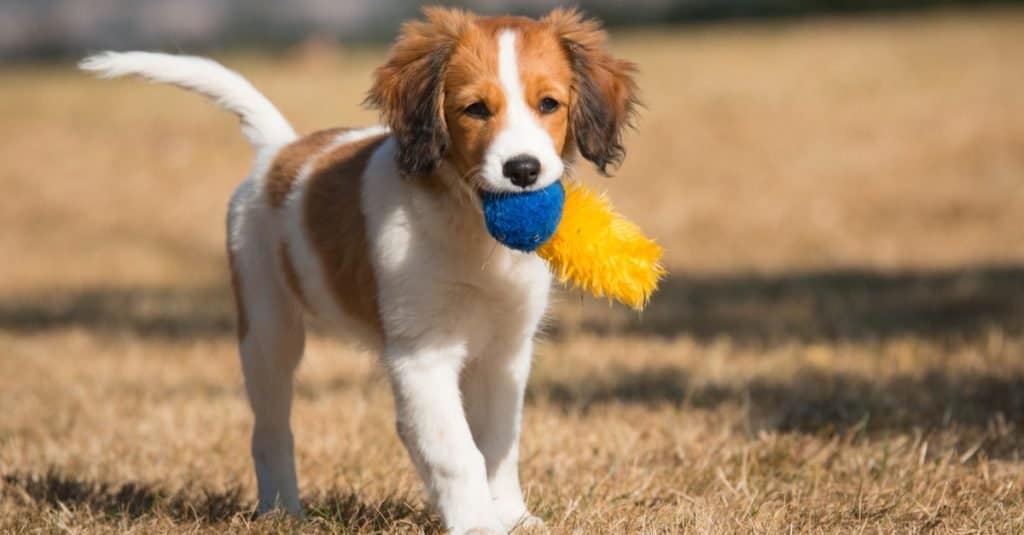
x,y
271,341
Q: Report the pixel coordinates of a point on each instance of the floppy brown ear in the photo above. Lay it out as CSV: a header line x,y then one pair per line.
x,y
409,88
604,93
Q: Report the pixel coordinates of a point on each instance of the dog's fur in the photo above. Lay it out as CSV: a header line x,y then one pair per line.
x,y
378,232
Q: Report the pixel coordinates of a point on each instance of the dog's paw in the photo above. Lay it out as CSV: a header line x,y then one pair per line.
x,y
484,531
479,526
278,510
517,519
530,524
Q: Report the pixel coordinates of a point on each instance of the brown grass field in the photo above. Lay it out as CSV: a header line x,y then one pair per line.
x,y
839,347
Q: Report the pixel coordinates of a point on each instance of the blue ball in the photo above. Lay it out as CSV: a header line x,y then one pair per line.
x,y
524,221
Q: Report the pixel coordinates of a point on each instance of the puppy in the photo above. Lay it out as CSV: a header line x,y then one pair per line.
x,y
378,232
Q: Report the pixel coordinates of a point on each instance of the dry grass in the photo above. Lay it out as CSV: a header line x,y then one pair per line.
x,y
839,348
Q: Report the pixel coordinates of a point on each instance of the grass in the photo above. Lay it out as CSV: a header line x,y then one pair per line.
x,y
839,348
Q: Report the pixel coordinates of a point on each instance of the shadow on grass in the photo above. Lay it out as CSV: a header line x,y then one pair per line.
x,y
344,510
822,403
130,500
824,305
147,312
842,304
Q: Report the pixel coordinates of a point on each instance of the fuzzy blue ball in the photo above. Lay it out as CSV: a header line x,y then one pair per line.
x,y
524,221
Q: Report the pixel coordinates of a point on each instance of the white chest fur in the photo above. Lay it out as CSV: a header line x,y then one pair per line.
x,y
441,277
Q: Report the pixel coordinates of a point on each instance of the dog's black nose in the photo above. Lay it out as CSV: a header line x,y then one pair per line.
x,y
522,170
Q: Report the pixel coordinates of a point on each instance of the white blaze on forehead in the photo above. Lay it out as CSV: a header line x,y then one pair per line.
x,y
508,73
522,132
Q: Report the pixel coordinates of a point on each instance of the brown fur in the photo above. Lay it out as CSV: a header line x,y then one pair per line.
x,y
409,91
473,76
291,276
289,162
546,73
440,66
604,92
337,229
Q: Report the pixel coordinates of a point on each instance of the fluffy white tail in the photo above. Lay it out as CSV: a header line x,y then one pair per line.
x,y
262,124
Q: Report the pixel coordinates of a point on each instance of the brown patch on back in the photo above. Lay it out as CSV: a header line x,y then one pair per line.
x,y
236,285
289,162
337,228
291,276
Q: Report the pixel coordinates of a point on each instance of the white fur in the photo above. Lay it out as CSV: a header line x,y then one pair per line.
x,y
523,133
273,344
262,124
458,311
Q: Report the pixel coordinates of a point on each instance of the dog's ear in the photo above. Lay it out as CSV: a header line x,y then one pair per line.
x,y
604,94
409,88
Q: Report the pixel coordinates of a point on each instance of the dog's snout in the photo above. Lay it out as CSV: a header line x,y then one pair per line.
x,y
522,170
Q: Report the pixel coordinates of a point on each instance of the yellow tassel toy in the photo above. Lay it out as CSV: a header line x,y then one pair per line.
x,y
598,250
587,244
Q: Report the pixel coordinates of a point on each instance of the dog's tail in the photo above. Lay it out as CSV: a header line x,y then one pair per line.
x,y
262,124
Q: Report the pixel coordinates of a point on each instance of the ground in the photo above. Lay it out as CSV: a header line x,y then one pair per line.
x,y
839,346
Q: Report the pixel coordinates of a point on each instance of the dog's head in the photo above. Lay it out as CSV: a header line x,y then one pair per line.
x,y
505,101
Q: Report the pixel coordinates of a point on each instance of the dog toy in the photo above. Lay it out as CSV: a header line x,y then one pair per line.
x,y
524,221
586,243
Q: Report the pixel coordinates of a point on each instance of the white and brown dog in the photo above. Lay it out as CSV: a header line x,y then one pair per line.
x,y
378,231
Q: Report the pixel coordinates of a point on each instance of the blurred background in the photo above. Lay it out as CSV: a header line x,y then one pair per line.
x,y
838,185
32,28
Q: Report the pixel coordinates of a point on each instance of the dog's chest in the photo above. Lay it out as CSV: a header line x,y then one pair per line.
x,y
439,271
487,298
460,260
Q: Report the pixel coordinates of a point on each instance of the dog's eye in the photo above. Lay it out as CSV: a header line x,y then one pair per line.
x,y
548,105
478,110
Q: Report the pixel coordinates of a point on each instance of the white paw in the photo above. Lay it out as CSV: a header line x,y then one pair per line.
x,y
277,508
484,531
530,524
485,527
514,516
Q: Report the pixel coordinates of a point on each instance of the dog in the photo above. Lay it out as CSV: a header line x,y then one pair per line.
x,y
378,232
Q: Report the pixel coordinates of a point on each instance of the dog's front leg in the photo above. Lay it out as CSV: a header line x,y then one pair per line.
x,y
493,385
433,427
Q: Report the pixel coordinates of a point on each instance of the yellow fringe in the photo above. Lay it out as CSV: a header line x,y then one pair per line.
x,y
600,251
